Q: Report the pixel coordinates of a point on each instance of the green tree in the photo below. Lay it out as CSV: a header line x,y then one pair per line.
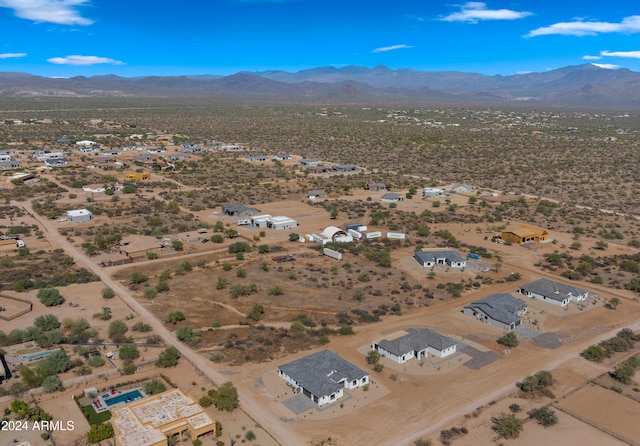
x,y
117,330
129,352
34,377
51,383
168,357
154,387
293,237
537,382
226,397
108,293
509,339
47,322
50,297
624,372
544,416
508,425
57,362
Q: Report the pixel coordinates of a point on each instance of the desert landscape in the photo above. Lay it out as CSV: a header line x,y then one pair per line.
x,y
162,261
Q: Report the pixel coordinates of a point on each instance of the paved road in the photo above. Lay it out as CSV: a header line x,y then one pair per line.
x,y
249,404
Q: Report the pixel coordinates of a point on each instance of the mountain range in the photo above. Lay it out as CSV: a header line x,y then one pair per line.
x,y
582,85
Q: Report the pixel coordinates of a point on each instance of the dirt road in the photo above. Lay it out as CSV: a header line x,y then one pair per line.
x,y
249,405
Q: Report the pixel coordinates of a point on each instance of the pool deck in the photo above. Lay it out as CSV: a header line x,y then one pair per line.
x,y
100,404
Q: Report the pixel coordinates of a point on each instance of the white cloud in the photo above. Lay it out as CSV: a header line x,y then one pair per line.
x,y
587,57
390,48
628,25
63,12
83,60
606,66
473,12
12,55
629,54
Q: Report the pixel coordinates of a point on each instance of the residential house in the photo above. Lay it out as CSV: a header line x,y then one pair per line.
x,y
238,210
79,215
8,165
450,258
317,169
5,156
391,197
195,149
415,344
553,292
156,419
432,192
143,158
375,186
85,143
308,162
462,188
257,159
88,149
179,156
231,148
55,162
137,246
281,223
103,160
315,193
524,234
156,150
110,152
322,376
137,176
501,310
282,156
345,168
188,145
261,221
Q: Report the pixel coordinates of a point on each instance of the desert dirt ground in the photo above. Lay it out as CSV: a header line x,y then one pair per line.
x,y
418,397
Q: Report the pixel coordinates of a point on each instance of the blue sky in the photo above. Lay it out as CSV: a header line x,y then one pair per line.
x,y
168,37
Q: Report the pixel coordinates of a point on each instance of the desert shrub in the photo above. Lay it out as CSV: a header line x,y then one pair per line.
x,y
544,416
594,353
508,425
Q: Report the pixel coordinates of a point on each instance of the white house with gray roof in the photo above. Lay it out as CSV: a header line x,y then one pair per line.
x,y
322,376
553,292
415,344
429,259
502,310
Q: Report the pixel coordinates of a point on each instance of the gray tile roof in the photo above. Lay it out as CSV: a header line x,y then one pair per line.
x,y
500,307
553,290
417,340
432,256
391,196
321,373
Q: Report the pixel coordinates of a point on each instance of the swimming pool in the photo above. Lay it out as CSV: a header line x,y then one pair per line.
x,y
122,398
26,358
